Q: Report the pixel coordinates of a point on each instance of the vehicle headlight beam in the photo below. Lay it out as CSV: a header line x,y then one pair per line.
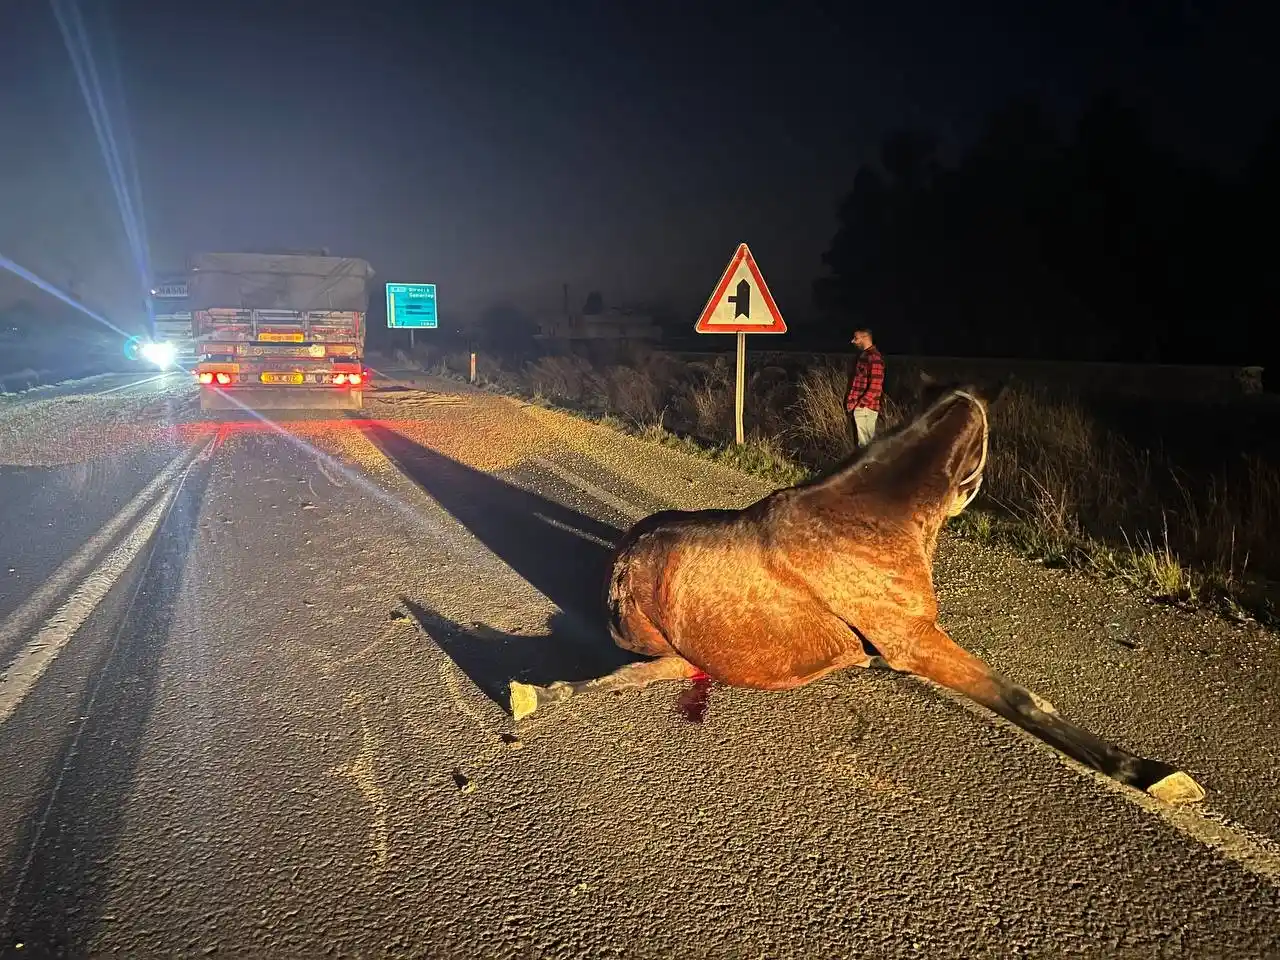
x,y
161,354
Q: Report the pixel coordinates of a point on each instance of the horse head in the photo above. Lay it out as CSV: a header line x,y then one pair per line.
x,y
932,463
956,412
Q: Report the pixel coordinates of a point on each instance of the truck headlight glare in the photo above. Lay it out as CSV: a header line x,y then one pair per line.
x,y
161,354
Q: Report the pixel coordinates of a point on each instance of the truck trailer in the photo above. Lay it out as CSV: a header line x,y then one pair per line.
x,y
279,331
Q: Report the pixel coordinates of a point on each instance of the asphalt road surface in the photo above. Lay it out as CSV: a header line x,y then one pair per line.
x,y
252,704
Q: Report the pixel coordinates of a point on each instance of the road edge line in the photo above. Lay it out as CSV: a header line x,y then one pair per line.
x,y
35,658
74,567
31,661
623,507
1255,852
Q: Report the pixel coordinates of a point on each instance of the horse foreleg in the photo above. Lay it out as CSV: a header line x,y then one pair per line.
x,y
526,698
932,654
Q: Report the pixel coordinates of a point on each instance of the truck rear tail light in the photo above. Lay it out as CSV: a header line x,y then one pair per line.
x,y
206,378
223,378
339,379
355,379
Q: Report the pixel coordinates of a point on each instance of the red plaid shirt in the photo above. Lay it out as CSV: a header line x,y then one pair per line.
x,y
867,383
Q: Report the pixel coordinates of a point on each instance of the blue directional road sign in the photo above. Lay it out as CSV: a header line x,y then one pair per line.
x,y
411,306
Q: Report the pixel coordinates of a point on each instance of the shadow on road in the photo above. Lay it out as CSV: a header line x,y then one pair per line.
x,y
55,887
559,551
491,658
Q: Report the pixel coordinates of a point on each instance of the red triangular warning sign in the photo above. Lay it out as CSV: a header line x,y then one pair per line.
x,y
741,302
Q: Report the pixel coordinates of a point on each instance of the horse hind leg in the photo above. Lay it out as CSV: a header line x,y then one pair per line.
x,y
526,698
631,630
935,656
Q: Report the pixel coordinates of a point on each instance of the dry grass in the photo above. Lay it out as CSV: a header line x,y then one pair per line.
x,y
1055,468
1059,485
454,364
1072,492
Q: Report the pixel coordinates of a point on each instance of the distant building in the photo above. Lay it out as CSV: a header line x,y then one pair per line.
x,y
598,322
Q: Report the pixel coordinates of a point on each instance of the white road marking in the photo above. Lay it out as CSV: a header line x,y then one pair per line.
x,y
1258,854
581,534
37,605
623,507
32,661
95,686
419,398
135,383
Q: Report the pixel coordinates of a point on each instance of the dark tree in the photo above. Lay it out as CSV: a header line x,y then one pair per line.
x,y
1094,244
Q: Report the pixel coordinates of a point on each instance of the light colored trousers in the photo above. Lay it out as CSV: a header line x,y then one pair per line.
x,y
864,423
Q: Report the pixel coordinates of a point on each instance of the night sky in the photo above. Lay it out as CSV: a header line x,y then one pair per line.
x,y
500,149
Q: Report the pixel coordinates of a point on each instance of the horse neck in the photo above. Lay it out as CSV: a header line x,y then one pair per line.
x,y
925,462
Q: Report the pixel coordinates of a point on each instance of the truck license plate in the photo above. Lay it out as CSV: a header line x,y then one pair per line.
x,y
280,337
282,378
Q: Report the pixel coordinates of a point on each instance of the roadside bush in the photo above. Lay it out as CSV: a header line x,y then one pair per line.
x,y
569,380
1062,478
633,395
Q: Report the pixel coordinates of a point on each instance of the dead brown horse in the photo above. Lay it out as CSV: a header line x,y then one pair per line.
x,y
823,576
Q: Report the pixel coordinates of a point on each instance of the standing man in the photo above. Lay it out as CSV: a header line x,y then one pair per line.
x,y
866,384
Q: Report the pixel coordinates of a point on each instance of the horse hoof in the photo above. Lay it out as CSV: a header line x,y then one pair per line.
x,y
524,699
1177,789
